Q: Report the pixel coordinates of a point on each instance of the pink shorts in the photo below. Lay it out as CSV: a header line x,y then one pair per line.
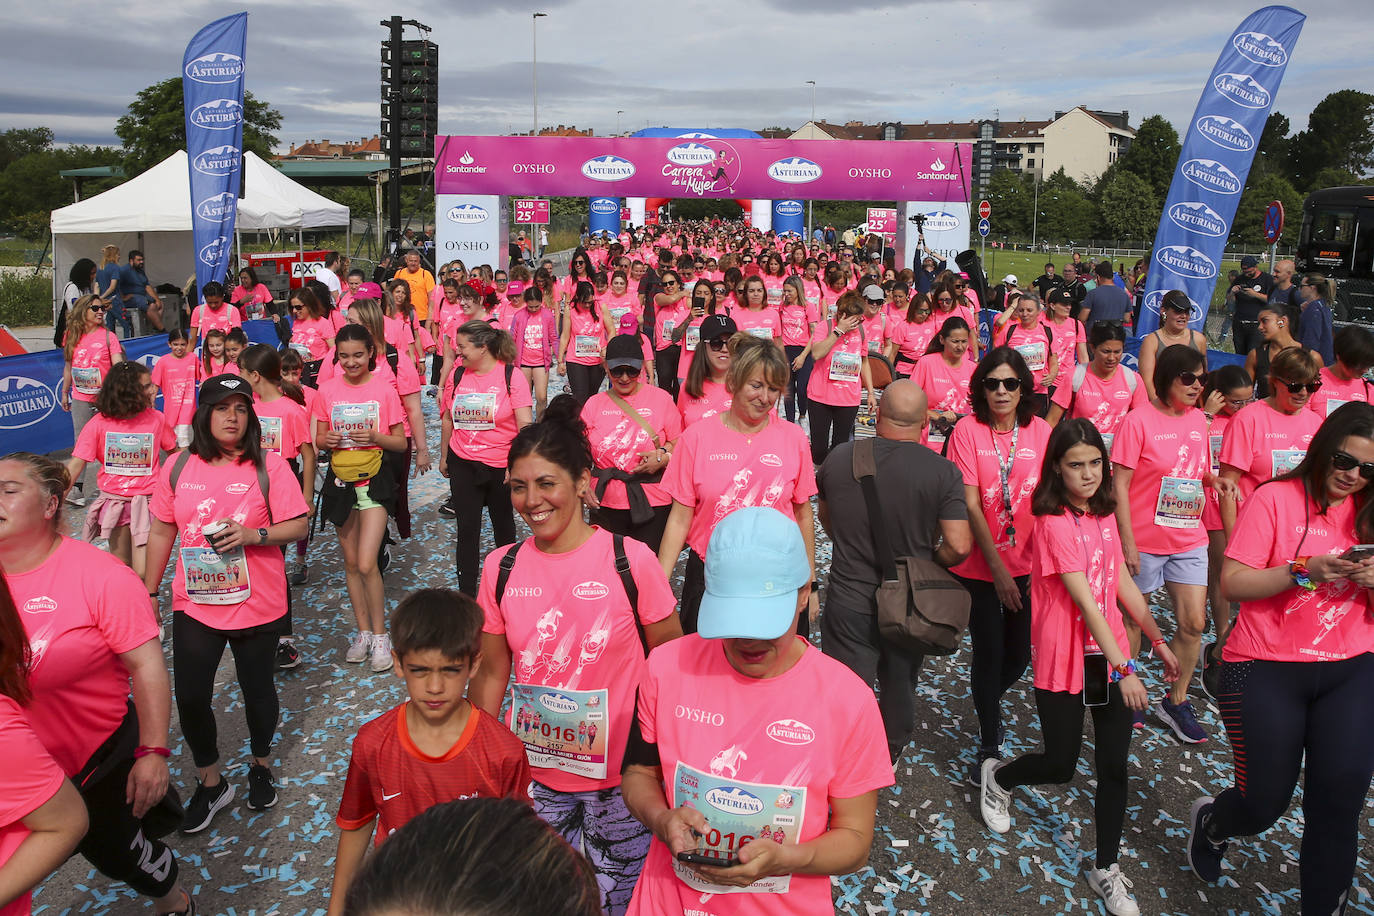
x,y
108,512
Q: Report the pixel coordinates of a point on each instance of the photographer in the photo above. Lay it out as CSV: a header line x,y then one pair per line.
x,y
931,265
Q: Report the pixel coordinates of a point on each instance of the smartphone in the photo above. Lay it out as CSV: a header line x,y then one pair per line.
x,y
719,858
1095,679
1358,553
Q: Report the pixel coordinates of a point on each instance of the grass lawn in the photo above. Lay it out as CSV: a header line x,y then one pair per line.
x,y
1027,265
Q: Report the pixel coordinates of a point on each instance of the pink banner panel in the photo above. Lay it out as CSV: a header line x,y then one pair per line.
x,y
685,168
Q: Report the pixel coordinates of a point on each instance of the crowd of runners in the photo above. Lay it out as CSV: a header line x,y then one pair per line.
x,y
694,388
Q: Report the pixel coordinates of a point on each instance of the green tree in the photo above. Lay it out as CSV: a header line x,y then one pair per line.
x,y
1339,135
1010,194
30,183
1128,206
1066,211
18,142
155,126
704,208
1247,230
1153,154
1274,153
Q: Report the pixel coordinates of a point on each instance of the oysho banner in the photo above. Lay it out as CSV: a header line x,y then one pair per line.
x,y
212,88
1215,161
469,228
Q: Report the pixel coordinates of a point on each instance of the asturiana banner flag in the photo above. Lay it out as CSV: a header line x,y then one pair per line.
x,y
212,86
1215,161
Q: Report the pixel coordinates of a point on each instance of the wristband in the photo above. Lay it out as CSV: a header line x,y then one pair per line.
x,y
1125,668
815,585
1300,574
1155,644
144,751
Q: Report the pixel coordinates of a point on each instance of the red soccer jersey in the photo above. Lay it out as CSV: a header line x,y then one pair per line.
x,y
391,779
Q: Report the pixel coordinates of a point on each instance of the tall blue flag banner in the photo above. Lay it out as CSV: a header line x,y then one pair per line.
x,y
212,86
603,216
1215,161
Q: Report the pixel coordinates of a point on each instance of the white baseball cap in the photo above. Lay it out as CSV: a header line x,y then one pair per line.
x,y
1010,278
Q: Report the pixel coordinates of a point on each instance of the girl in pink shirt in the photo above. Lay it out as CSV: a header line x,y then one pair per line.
x,y
756,318
909,339
1079,652
670,312
833,392
944,375
703,392
558,616
175,375
359,415
125,439
1021,329
799,319
1070,340
583,344
213,313
535,332
88,352
250,298
620,301
1299,665
1103,390
1344,380
687,334
772,275
312,334
213,362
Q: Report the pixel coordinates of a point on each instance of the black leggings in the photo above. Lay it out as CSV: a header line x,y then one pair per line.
x,y
474,485
693,587
794,399
1275,712
585,381
1001,651
617,521
830,426
665,367
115,842
1061,725
196,651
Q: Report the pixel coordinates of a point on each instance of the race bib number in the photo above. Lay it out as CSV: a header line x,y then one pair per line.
x,y
668,326
764,333
346,419
1283,460
1180,503
302,349
586,345
1214,443
563,729
86,379
1332,404
844,367
215,578
1033,354
737,812
475,410
875,345
616,312
692,338
129,454
271,433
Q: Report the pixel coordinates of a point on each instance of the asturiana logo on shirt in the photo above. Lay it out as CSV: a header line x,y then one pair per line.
x,y
794,170
734,800
790,731
590,591
40,605
608,168
559,703
219,67
1260,48
1227,133
236,489
1195,216
770,460
1212,175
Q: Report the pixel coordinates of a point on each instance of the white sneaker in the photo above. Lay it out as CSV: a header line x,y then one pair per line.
x,y
994,801
358,647
1111,885
381,652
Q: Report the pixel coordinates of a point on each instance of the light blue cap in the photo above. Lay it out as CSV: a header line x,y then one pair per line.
x,y
755,563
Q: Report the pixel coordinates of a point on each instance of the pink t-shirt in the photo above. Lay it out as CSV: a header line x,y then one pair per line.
x,y
1067,336
406,380
451,317
1263,442
399,332
374,405
78,625
836,378
91,361
483,413
620,305
974,449
312,397
225,319
570,627
1065,543
310,337
1216,434
127,451
587,338
285,426
912,339
796,321
618,441
1034,346
1334,622
176,379
814,294
876,331
715,399
666,318
691,339
764,323
792,742
248,588
30,779
1104,403
773,287
1169,456
946,386
1334,392
716,470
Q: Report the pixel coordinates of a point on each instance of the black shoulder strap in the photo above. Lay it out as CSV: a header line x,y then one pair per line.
x,y
507,564
866,473
627,579
264,484
510,373
178,466
393,358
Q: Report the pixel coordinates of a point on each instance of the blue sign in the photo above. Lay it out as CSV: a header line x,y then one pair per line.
x,y
984,227
603,216
1273,222
212,87
789,217
1215,161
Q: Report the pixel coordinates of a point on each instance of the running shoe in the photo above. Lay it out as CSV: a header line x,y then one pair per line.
x,y
358,647
1211,671
262,792
1114,889
381,652
1203,855
446,509
301,575
75,497
975,774
994,801
189,909
1181,720
288,656
1137,718
205,804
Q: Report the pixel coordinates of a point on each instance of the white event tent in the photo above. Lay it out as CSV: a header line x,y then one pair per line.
x,y
152,213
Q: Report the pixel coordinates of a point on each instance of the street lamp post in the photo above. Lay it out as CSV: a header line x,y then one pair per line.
x,y
618,113
810,226
534,69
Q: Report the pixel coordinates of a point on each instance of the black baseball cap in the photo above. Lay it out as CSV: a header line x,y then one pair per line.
x,y
718,326
217,388
624,350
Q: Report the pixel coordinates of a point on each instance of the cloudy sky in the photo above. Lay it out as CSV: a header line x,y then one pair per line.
x,y
689,64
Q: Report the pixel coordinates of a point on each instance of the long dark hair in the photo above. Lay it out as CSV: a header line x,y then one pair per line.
x,y
1051,497
559,436
1353,418
1002,356
952,324
359,333
204,446
585,292
80,275
265,361
15,655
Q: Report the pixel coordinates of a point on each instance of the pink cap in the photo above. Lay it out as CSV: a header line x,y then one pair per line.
x,y
368,291
515,288
629,324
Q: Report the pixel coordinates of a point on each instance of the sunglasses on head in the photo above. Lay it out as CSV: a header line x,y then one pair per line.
x,y
718,343
1009,384
1192,378
1344,461
1296,387
623,372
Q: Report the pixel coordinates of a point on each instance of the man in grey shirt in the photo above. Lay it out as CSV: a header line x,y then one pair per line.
x,y
1106,301
923,506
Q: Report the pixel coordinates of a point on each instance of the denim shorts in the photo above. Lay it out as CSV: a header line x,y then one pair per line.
x,y
1187,568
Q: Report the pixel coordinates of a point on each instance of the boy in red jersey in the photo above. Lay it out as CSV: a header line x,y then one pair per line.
x,y
434,748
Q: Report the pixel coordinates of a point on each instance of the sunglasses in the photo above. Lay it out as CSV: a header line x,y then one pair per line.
x,y
1189,379
1009,384
668,283
624,372
1179,309
1344,461
297,308
945,299
99,308
1296,387
718,343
